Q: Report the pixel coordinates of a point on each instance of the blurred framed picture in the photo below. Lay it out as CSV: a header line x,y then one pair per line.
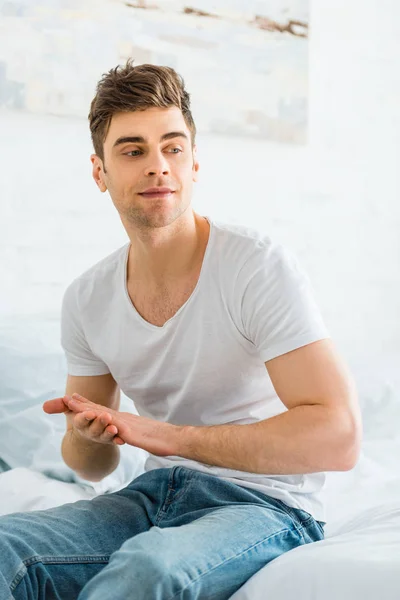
x,y
245,63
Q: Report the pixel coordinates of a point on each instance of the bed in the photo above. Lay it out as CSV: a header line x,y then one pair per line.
x,y
360,556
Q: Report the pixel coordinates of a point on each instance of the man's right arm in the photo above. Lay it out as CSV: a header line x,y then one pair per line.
x,y
91,460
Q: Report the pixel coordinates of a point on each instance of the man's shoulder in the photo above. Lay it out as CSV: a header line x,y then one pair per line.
x,y
236,232
100,275
105,265
238,243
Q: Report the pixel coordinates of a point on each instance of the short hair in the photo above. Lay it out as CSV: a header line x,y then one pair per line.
x,y
128,88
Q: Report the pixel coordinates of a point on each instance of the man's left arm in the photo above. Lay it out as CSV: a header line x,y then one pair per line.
x,y
320,431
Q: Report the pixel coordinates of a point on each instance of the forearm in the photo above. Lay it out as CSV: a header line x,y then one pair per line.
x,y
309,438
305,439
90,460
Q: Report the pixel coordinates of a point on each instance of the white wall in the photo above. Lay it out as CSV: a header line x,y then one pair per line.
x,y
335,202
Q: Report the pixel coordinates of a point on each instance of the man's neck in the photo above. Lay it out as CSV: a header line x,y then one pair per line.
x,y
168,255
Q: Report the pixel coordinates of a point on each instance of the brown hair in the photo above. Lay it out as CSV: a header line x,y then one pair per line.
x,y
128,88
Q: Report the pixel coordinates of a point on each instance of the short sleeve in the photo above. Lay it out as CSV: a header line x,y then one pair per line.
x,y
279,311
80,358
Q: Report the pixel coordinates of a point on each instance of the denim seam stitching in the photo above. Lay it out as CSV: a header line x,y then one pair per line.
x,y
184,489
320,528
292,512
18,577
170,488
166,506
61,559
28,562
282,531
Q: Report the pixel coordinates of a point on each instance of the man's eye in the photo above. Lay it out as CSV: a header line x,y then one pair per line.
x,y
130,153
179,150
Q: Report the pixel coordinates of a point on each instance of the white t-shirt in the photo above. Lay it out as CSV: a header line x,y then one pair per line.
x,y
205,365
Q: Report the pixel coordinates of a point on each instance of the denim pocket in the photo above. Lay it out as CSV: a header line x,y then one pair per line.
x,y
299,515
303,516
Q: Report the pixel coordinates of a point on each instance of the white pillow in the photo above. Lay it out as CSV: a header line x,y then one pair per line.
x,y
33,369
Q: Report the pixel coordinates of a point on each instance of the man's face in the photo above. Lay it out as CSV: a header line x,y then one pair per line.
x,y
142,150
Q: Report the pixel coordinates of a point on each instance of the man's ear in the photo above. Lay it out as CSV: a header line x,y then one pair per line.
x,y
196,165
98,172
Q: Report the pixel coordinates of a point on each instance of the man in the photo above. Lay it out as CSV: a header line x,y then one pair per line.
x,y
213,332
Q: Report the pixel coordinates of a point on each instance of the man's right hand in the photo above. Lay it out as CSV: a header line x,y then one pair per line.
x,y
85,425
95,429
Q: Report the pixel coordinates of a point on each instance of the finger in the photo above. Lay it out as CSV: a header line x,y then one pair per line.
x,y
83,403
111,430
97,425
80,398
107,426
81,423
55,406
108,434
119,441
94,422
76,406
83,400
84,422
105,418
89,415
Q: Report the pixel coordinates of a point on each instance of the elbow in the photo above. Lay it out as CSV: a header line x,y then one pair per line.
x,y
350,449
93,478
351,457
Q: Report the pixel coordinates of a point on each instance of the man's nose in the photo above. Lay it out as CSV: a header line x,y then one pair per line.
x,y
157,165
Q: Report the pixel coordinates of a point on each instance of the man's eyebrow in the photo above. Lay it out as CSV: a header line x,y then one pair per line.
x,y
141,140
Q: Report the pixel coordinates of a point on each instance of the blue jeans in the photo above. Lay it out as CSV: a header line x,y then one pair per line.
x,y
171,533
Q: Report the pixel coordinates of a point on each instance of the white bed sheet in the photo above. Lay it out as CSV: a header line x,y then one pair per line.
x,y
23,489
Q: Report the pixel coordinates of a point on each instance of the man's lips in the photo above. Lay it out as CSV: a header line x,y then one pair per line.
x,y
157,192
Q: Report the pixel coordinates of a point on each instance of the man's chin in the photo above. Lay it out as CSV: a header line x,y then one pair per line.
x,y
156,219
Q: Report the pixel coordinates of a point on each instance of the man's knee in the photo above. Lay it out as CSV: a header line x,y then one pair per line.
x,y
152,560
